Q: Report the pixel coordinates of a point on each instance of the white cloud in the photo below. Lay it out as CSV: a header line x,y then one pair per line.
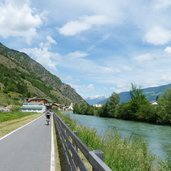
x,y
168,50
86,66
158,36
43,55
51,40
18,19
160,4
166,78
83,89
85,23
108,60
122,87
77,54
47,43
145,57
101,40
64,10
126,68
90,87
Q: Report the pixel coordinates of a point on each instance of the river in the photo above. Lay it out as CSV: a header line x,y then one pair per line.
x,y
157,137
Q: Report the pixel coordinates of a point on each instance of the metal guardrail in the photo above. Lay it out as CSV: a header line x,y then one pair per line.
x,y
71,144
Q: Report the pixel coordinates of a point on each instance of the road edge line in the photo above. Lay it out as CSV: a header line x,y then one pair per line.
x,y
52,159
5,136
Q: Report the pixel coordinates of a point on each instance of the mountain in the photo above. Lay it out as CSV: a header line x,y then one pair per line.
x,y
151,93
95,100
21,77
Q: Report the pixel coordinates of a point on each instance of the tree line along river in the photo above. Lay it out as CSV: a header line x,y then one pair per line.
x,y
157,137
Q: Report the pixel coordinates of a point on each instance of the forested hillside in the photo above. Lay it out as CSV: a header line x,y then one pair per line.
x,y
138,108
150,93
21,77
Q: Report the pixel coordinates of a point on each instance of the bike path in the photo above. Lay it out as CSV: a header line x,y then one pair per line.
x,y
28,149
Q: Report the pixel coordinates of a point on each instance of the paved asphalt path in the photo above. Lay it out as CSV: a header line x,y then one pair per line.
x,y
28,149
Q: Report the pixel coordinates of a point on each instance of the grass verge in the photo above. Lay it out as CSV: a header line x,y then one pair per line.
x,y
7,116
119,154
11,122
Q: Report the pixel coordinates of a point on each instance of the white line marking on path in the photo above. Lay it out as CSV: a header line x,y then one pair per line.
x,y
19,128
52,161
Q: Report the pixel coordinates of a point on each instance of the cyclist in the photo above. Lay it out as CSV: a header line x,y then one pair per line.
x,y
48,115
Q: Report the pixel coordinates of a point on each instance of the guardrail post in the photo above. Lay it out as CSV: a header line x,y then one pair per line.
x,y
76,148
100,154
75,132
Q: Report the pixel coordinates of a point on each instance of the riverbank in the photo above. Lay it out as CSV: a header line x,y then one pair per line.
x,y
152,114
138,108
120,154
157,137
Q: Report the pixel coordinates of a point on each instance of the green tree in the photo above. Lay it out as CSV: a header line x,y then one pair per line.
x,y
90,110
76,108
137,103
109,109
147,112
123,111
80,108
102,112
83,108
164,108
112,103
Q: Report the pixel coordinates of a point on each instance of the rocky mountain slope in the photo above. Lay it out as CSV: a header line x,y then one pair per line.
x,y
95,100
21,77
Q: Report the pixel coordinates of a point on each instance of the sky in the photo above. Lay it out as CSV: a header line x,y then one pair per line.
x,y
96,46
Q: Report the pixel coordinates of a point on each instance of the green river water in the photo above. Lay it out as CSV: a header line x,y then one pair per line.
x,y
157,137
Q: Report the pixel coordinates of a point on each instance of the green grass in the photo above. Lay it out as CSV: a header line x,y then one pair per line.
x,y
120,154
7,116
11,123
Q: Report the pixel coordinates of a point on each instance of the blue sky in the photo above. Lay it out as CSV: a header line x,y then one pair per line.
x,y
98,47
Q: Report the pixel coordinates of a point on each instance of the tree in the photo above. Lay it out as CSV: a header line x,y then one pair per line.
x,y
123,111
80,108
164,108
137,103
112,103
83,108
109,109
76,108
137,96
90,110
102,112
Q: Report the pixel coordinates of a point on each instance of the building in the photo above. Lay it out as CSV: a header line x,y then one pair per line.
x,y
97,105
37,100
34,104
154,103
38,108
70,107
57,106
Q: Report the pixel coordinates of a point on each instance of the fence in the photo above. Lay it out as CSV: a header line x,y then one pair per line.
x,y
71,145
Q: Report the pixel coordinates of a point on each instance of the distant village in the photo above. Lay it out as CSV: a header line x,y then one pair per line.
x,y
40,105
